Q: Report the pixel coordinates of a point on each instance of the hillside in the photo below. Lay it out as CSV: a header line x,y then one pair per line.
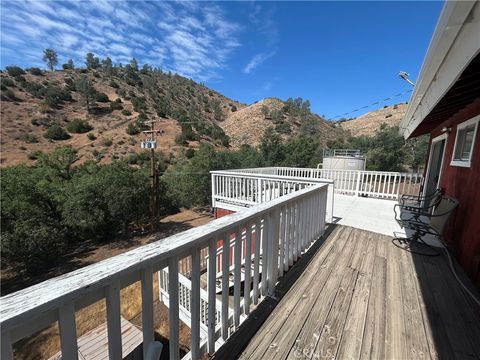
x,y
120,101
31,104
247,125
369,123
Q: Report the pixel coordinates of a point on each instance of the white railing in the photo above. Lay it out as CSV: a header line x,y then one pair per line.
x,y
234,190
287,226
342,152
185,301
380,184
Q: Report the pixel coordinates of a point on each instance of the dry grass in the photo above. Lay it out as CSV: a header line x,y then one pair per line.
x,y
46,343
369,123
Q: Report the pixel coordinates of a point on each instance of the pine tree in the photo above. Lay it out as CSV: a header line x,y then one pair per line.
x,y
50,57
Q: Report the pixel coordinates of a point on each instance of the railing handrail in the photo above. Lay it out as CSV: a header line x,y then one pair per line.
x,y
272,177
248,171
80,285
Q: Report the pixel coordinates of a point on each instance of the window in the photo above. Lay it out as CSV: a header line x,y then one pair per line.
x,y
464,142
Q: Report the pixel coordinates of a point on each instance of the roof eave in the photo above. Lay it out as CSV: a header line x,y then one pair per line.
x,y
453,45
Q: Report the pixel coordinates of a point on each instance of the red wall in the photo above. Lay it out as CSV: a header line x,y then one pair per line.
x,y
463,232
222,212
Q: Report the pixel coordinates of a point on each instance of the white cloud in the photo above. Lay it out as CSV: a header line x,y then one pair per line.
x,y
195,40
262,19
257,60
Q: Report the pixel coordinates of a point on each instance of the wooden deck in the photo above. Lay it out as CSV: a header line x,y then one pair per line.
x,y
359,297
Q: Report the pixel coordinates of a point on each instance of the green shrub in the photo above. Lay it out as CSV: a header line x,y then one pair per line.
x,y
126,112
91,136
29,138
9,94
56,132
34,155
114,84
55,95
190,153
107,142
181,139
101,97
132,129
79,126
34,89
138,104
35,71
14,70
114,105
283,128
20,78
7,82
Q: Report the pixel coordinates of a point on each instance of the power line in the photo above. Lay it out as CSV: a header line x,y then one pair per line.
x,y
375,103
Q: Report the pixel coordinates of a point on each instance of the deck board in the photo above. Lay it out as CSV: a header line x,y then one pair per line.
x,y
361,297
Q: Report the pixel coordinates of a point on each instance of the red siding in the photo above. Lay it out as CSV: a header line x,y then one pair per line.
x,y
222,212
463,232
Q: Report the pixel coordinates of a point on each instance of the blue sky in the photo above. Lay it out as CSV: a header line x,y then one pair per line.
x,y
339,55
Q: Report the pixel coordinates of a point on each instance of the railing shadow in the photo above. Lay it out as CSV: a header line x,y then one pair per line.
x,y
451,316
241,337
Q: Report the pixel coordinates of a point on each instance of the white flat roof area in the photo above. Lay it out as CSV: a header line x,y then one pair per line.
x,y
366,213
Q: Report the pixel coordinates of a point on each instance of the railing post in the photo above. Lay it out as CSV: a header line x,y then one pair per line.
x,y
68,331
357,187
272,263
173,314
211,288
114,327
214,189
147,309
195,305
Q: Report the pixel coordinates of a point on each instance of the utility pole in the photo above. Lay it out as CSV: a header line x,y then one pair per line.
x,y
150,142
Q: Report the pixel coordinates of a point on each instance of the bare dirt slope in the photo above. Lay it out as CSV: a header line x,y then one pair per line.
x,y
247,125
25,116
369,123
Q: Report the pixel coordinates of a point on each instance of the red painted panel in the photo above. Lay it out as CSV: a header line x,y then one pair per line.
x,y
463,232
221,213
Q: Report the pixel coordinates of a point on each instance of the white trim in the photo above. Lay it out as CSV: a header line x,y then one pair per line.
x,y
436,139
465,163
454,44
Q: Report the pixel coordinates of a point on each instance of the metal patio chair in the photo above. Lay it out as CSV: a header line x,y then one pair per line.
x,y
418,200
412,207
426,224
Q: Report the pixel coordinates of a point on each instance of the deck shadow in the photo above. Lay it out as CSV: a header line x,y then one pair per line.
x,y
237,342
452,317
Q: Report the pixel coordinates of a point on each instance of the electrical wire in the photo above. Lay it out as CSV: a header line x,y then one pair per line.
x,y
375,103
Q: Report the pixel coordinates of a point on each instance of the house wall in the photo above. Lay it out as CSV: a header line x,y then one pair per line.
x,y
219,212
463,231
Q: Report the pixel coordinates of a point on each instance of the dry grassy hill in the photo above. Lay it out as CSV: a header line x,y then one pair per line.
x,y
369,123
25,116
122,99
247,125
